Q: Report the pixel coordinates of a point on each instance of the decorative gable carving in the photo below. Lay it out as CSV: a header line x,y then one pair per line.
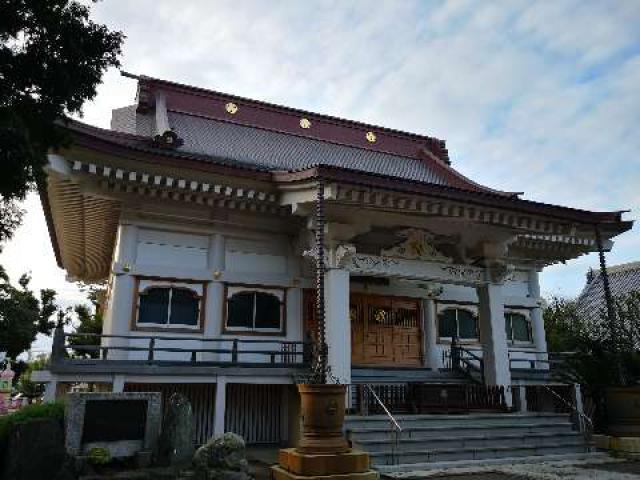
x,y
416,246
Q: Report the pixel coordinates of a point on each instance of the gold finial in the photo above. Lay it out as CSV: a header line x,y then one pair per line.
x,y
371,137
305,123
217,274
231,108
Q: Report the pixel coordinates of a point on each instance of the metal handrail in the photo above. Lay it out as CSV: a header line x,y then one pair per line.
x,y
386,410
396,430
581,415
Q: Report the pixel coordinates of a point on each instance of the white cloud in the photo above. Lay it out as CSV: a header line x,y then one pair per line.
x,y
540,97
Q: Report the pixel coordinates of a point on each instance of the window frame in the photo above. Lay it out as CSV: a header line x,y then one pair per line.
x,y
472,309
199,288
527,316
279,291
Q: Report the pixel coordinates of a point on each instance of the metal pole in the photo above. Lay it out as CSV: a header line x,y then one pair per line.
x,y
320,360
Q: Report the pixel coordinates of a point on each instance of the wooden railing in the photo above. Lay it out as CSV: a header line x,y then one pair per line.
x,y
181,349
418,398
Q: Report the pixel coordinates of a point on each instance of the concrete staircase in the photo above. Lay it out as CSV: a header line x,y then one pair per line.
x,y
455,439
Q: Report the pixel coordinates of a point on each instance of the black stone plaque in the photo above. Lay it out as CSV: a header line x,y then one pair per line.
x,y
114,420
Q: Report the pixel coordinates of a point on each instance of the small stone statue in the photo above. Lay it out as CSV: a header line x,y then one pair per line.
x,y
221,458
176,444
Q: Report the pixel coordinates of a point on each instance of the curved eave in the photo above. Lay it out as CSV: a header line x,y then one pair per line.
x,y
611,222
82,228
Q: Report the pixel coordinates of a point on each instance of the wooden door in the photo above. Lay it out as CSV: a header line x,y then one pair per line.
x,y
385,330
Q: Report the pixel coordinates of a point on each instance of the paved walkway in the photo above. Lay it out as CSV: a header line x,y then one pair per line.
x,y
609,469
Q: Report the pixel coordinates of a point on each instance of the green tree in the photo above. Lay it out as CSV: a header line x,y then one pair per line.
x,y
28,387
88,321
52,58
563,326
604,353
88,324
22,314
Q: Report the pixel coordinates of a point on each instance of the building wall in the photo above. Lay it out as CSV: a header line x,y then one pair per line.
x,y
215,258
207,261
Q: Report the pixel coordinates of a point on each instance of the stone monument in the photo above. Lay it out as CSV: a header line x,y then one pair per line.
x,y
176,445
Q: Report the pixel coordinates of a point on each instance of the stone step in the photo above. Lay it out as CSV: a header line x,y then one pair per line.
x,y
467,430
404,375
455,420
409,471
470,442
480,453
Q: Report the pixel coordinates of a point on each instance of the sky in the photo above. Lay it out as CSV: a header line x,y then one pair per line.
x,y
536,97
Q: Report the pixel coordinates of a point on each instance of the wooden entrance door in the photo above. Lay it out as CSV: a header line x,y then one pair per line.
x,y
385,330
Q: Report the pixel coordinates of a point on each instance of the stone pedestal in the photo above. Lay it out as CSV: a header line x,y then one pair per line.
x,y
323,452
351,465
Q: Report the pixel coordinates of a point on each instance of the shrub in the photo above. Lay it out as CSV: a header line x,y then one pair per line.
x,y
28,414
99,456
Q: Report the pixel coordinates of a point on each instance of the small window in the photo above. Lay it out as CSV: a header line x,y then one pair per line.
x,y
254,310
517,327
169,306
458,322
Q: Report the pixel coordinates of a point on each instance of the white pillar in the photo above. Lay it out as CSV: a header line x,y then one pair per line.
x,y
578,402
431,352
121,306
494,338
214,301
118,384
537,321
522,406
220,406
338,327
50,391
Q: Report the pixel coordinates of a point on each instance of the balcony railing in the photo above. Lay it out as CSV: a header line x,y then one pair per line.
x,y
183,350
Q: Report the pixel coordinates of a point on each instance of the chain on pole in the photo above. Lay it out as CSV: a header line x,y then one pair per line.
x,y
320,359
611,311
608,298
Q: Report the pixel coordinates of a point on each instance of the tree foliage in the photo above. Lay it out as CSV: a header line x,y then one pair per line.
x,y
88,321
605,352
52,58
22,314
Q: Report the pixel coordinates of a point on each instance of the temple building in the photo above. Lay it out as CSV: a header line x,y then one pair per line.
x,y
198,210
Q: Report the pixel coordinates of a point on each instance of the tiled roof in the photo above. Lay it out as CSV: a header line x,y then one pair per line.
x,y
280,137
623,279
278,151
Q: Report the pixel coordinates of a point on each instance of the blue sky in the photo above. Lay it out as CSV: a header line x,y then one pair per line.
x,y
539,97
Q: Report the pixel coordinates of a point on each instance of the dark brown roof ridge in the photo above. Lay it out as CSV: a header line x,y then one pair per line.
x,y
269,105
186,100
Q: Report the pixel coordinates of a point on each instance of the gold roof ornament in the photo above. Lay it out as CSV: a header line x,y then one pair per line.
x,y
231,108
305,123
371,137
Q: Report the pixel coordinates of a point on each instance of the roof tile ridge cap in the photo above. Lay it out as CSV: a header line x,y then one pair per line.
x,y
623,267
276,106
298,135
449,170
